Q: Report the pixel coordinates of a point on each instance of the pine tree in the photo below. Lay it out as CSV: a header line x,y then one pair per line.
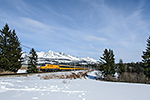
x,y
108,62
128,69
121,66
10,50
146,58
32,62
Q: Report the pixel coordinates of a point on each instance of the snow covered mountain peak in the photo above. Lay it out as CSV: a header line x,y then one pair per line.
x,y
59,57
62,53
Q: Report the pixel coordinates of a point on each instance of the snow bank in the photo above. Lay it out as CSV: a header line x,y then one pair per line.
x,y
95,75
22,71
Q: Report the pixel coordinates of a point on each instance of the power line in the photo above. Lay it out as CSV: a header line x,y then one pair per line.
x,y
29,47
26,46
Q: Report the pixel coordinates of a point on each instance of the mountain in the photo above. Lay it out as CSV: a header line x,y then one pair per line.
x,y
59,57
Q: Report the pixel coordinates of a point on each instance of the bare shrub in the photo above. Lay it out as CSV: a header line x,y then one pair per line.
x,y
65,76
84,75
74,75
142,78
38,75
64,81
110,78
124,77
80,74
62,77
1,70
46,77
133,78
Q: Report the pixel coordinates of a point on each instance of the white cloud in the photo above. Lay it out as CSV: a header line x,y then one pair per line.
x,y
35,25
94,38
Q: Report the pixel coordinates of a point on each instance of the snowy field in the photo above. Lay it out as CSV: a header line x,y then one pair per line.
x,y
35,88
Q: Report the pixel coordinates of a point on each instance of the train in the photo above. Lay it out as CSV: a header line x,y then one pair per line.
x,y
59,67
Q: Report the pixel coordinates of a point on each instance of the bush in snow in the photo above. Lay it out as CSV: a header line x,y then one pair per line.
x,y
110,78
64,76
133,78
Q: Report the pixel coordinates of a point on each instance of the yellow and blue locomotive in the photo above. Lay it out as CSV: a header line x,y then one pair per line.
x,y
55,67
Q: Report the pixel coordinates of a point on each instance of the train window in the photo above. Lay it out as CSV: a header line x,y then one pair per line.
x,y
43,64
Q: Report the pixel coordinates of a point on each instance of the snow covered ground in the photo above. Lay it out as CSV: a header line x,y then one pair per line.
x,y
22,71
34,88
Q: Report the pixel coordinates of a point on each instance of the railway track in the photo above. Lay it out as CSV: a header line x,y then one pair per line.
x,y
22,74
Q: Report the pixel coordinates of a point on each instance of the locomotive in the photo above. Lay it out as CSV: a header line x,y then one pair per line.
x,y
59,67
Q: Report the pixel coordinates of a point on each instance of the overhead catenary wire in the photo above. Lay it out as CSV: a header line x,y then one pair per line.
x,y
29,48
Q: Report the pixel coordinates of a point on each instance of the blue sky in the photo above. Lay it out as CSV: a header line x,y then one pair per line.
x,y
80,27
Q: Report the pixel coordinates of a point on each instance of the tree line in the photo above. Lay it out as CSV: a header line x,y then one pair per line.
x,y
11,51
128,72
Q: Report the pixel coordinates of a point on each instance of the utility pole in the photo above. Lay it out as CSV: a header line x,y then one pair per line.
x,y
74,66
